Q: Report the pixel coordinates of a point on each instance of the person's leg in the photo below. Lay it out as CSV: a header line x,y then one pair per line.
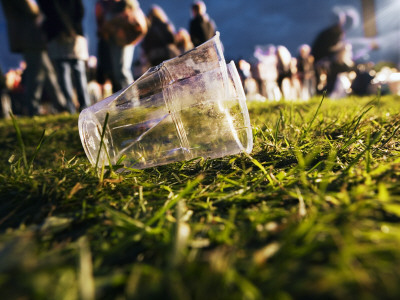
x,y
5,104
34,77
57,95
122,58
79,71
64,78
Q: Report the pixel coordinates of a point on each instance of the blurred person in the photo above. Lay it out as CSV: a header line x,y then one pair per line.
x,y
26,37
340,74
13,80
121,24
94,88
266,70
362,84
285,73
249,83
295,80
15,90
5,99
183,40
201,26
386,79
329,41
326,45
321,75
244,70
67,48
158,44
306,72
394,82
104,66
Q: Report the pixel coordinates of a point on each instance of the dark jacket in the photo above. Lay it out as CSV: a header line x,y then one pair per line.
x,y
160,34
159,43
62,17
24,32
201,29
326,42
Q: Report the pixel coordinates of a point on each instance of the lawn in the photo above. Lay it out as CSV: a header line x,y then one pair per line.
x,y
313,212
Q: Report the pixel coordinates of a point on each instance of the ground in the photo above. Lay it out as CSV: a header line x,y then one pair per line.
x,y
312,212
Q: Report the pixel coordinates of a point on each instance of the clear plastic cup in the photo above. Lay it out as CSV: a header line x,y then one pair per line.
x,y
166,116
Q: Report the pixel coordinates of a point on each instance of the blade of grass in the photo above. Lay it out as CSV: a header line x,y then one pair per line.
x,y
278,122
37,149
315,115
101,139
101,176
189,187
120,160
86,278
358,123
375,139
391,136
256,162
20,140
329,164
368,153
42,140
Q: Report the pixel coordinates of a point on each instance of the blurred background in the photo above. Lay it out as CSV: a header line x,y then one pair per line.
x,y
372,27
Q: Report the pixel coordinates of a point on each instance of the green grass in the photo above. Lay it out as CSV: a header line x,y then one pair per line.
x,y
314,212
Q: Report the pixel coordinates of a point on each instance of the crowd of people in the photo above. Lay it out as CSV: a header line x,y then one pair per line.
x,y
57,70
277,74
58,75
325,66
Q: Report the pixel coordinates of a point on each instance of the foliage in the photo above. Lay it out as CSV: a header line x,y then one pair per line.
x,y
314,212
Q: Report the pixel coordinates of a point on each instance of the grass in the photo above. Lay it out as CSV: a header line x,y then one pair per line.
x,y
314,212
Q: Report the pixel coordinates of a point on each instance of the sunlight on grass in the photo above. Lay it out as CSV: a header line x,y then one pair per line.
x,y
312,212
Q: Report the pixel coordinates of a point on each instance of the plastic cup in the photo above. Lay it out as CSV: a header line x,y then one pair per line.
x,y
167,116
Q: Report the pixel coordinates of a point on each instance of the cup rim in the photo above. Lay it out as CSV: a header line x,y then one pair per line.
x,y
231,68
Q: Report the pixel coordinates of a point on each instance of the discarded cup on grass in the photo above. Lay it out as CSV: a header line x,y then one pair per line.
x,y
187,107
